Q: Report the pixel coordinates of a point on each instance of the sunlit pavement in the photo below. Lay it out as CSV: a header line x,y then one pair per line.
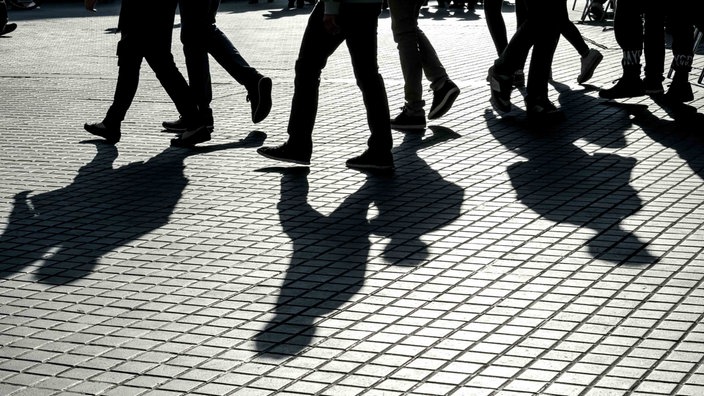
x,y
500,258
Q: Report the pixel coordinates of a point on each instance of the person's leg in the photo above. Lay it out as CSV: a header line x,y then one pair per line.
x,y
404,25
590,58
129,63
495,23
359,23
541,22
3,15
195,26
654,47
162,63
681,25
628,30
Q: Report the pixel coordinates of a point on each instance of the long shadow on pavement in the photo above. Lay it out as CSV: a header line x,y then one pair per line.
x,y
66,231
563,183
330,253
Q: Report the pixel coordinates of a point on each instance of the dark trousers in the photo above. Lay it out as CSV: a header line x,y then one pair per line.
x,y
162,63
541,32
200,37
495,21
358,23
3,14
639,26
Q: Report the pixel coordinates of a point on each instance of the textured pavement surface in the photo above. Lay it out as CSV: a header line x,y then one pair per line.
x,y
500,258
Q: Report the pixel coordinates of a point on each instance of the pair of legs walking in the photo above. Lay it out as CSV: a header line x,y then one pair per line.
x,y
417,56
358,30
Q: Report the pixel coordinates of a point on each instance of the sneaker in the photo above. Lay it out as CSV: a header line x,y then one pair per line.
x,y
443,99
543,110
405,121
626,87
501,86
589,63
192,136
287,153
110,134
8,28
680,90
653,86
260,98
519,79
372,160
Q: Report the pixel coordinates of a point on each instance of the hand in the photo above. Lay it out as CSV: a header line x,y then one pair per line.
x,y
330,24
90,5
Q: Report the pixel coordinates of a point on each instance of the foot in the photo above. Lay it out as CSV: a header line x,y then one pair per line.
x,y
680,90
181,126
260,99
589,63
8,28
192,136
501,86
287,153
626,87
109,133
408,121
372,160
542,110
443,99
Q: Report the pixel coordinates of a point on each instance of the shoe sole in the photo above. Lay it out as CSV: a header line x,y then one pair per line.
x,y
591,67
408,127
290,160
377,167
444,105
264,105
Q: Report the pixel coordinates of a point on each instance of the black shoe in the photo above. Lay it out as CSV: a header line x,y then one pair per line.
x,y
181,126
501,86
8,28
542,110
443,99
260,98
192,136
287,153
626,87
405,121
680,90
110,134
519,79
372,160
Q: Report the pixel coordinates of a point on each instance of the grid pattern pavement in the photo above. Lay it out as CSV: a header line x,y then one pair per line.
x,y
498,259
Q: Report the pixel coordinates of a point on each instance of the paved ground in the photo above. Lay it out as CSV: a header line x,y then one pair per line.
x,y
499,259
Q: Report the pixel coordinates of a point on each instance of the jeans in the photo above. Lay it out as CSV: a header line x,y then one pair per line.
x,y
540,32
200,37
639,25
358,23
416,53
152,43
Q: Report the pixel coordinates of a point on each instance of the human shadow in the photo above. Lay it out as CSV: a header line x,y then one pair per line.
x,y
330,253
65,231
563,183
682,134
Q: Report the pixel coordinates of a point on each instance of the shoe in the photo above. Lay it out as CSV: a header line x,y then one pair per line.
x,y
519,79
680,90
589,63
260,98
8,28
372,160
181,126
110,134
596,11
192,136
443,99
653,86
287,153
541,109
626,87
406,121
501,86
